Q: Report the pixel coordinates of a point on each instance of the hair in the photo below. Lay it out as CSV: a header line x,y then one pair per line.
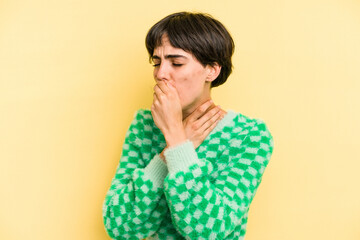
x,y
199,34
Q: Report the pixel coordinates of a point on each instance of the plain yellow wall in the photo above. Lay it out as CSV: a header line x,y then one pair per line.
x,y
72,74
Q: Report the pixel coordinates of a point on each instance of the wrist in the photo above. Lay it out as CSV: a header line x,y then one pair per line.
x,y
175,137
162,155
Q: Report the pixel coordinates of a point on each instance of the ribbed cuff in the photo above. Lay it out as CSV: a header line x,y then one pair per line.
x,y
180,157
156,171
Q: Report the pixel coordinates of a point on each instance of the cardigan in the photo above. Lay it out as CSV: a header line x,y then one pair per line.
x,y
201,193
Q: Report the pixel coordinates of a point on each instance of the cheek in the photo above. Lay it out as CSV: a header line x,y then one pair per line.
x,y
190,85
188,90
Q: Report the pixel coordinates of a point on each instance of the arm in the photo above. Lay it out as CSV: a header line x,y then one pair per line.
x,y
212,210
135,205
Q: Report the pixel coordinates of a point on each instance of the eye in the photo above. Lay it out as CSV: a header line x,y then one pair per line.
x,y
156,64
177,64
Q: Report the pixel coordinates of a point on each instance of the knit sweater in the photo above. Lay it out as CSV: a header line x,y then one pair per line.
x,y
201,193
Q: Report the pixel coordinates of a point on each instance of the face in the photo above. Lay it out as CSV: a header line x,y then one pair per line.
x,y
189,75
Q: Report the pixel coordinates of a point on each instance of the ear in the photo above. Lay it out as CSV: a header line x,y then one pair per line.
x,y
213,72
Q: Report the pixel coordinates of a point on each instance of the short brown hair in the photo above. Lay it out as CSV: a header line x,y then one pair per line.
x,y
198,33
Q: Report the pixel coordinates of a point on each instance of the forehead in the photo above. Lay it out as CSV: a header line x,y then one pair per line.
x,y
166,48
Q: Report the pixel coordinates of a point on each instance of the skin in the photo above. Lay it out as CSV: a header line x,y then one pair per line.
x,y
182,107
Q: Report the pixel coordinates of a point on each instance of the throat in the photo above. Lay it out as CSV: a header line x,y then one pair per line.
x,y
190,109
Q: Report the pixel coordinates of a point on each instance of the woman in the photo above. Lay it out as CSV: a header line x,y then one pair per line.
x,y
189,169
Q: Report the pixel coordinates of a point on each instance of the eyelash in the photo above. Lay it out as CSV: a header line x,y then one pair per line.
x,y
174,64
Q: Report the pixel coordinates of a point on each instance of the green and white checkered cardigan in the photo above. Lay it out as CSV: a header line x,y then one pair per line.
x,y
202,193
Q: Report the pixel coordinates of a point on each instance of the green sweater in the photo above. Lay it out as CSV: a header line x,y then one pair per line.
x,y
201,193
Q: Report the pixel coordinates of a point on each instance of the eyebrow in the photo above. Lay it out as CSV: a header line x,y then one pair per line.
x,y
169,56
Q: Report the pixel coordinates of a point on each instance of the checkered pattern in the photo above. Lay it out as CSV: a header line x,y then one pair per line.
x,y
202,193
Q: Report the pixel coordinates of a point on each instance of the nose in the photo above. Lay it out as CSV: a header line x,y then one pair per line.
x,y
161,72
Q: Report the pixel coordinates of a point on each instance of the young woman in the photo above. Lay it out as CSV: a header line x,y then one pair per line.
x,y
189,169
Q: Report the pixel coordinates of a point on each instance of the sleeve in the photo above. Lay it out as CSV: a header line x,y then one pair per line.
x,y
204,209
135,204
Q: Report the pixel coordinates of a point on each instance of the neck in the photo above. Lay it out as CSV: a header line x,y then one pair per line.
x,y
193,106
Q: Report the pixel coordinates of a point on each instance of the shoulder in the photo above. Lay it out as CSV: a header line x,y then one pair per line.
x,y
252,143
141,118
254,129
138,124
142,114
245,122
143,123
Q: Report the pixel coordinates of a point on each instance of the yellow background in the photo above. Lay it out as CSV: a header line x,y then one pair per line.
x,y
72,74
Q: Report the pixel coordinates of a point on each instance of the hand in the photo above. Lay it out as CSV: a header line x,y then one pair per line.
x,y
162,155
167,112
202,121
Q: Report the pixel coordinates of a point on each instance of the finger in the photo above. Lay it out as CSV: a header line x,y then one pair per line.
x,y
171,88
154,98
158,93
200,111
163,86
216,111
209,129
171,84
173,92
211,124
157,89
223,112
